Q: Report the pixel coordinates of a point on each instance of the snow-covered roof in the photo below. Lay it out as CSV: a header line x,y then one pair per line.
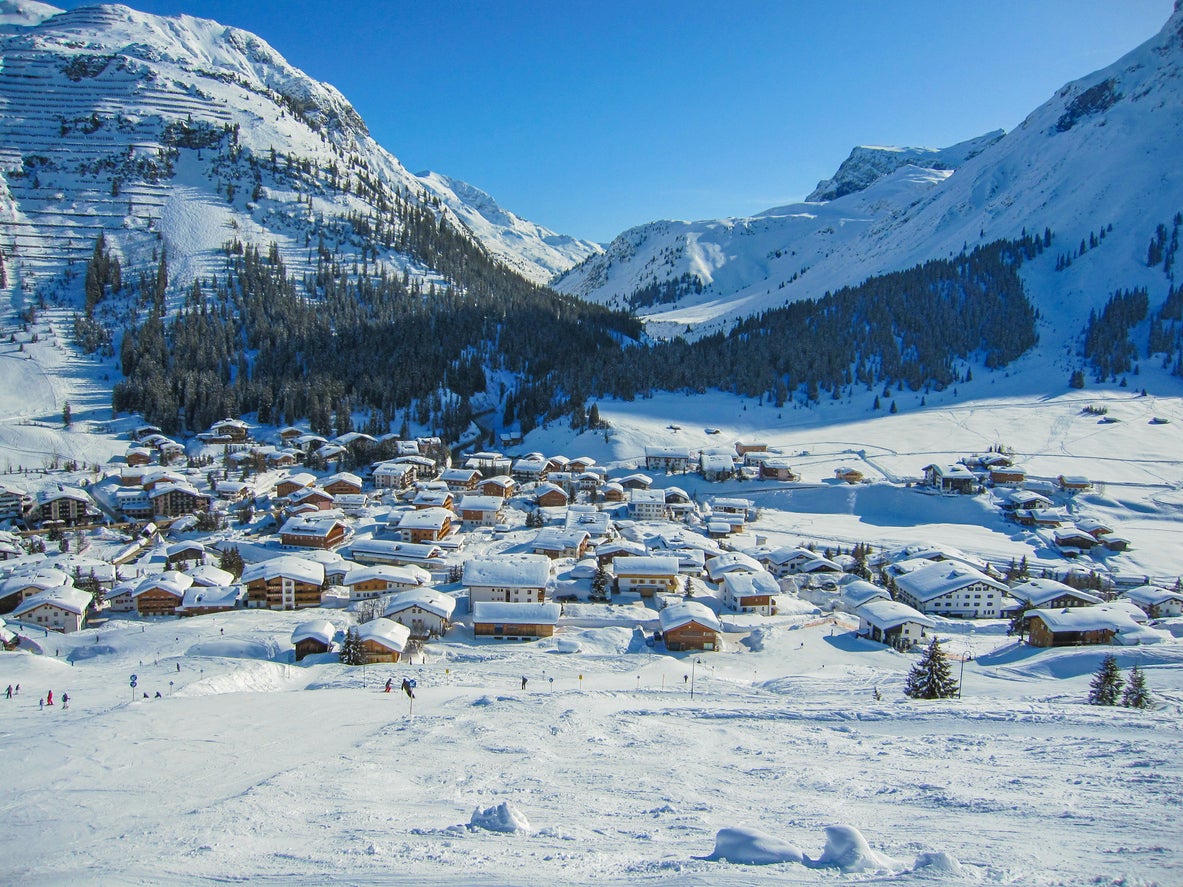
x,y
39,577
1151,596
645,565
502,612
386,632
401,575
65,597
314,630
429,599
944,577
730,562
170,581
1083,619
212,596
424,519
508,571
302,478
886,614
1038,592
858,592
298,568
343,477
559,538
744,584
473,502
677,615
318,528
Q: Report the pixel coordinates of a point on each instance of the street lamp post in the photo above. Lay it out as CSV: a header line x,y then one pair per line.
x,y
693,665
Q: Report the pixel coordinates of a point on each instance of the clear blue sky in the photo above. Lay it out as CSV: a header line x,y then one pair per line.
x,y
591,117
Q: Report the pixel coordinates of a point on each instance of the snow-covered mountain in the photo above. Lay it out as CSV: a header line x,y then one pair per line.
x,y
181,133
1103,151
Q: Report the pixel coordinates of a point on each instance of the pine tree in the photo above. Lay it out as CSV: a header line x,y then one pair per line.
x,y
67,414
1135,694
231,561
932,676
351,649
599,584
1105,688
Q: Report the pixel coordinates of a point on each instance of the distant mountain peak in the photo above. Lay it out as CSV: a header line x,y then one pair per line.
x,y
869,163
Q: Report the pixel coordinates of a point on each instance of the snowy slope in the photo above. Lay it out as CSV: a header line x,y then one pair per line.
x,y
178,131
1102,151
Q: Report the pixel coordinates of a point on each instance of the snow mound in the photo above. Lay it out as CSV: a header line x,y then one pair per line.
x,y
755,640
746,846
848,850
567,645
938,863
92,651
503,818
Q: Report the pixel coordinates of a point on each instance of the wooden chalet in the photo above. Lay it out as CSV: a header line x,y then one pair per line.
x,y
284,583
343,483
425,611
383,640
161,594
514,621
60,609
305,532
313,637
690,626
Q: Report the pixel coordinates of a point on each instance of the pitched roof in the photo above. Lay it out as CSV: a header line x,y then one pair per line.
x,y
1038,592
886,614
65,597
508,571
314,630
940,578
501,612
429,599
386,632
298,568
677,615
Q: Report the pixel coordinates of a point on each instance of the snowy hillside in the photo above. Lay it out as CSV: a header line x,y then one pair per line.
x,y
1102,151
180,133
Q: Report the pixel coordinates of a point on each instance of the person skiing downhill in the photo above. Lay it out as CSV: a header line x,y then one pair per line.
x,y
10,691
523,682
65,701
389,685
49,698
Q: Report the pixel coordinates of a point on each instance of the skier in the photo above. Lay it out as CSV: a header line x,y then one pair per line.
x,y
65,701
389,685
178,666
10,691
49,698
406,688
18,689
41,702
157,694
523,682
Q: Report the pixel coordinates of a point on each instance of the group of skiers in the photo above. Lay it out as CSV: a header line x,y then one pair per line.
x,y
45,700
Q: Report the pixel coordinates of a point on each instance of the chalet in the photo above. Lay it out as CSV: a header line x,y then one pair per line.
x,y
383,640
647,504
176,499
608,552
202,601
1070,539
425,468
954,478
313,637
778,469
556,542
232,430
598,524
395,476
331,453
580,464
289,434
13,503
647,575
743,507
10,546
501,485
460,480
430,497
731,562
789,561
481,511
279,457
137,457
519,578
690,625
893,623
209,576
234,490
531,468
342,483
143,432
294,482
423,525
520,621
181,554
56,609
857,592
511,437
951,589
365,583
1074,483
425,611
161,594
19,586
613,492
1098,529
591,480
1048,594
321,500
848,475
62,506
716,466
284,583
119,598
384,551
549,495
1007,476
1073,626
668,459
743,449
1025,500
678,502
321,532
1155,602
751,593
489,464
